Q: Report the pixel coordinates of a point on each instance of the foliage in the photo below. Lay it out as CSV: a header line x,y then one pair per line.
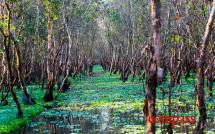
x,y
114,16
175,38
8,120
52,8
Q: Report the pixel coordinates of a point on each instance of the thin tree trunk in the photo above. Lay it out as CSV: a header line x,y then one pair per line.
x,y
10,82
68,59
27,97
3,81
50,67
171,85
200,74
210,85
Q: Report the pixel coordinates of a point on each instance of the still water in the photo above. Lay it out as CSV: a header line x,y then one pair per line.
x,y
103,121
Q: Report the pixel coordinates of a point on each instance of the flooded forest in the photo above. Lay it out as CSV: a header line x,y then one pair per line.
x,y
107,66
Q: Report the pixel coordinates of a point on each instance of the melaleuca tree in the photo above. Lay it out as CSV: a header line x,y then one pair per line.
x,y
52,14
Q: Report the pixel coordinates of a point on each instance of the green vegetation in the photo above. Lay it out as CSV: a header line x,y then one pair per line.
x,y
8,119
102,91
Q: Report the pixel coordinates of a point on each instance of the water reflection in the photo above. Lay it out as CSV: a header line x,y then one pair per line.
x,y
63,122
104,121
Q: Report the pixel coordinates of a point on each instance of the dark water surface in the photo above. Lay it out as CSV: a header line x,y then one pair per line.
x,y
103,121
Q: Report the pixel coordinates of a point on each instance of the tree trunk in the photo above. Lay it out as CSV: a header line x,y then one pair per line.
x,y
68,58
10,84
3,81
210,85
26,96
50,67
171,85
151,84
200,74
154,64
